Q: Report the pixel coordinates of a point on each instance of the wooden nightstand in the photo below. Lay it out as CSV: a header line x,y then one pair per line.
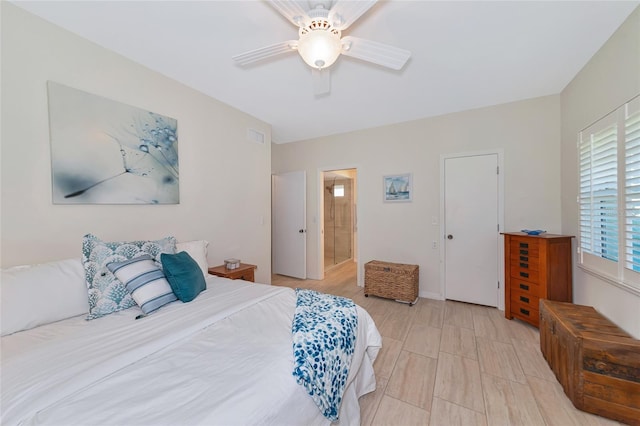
x,y
243,272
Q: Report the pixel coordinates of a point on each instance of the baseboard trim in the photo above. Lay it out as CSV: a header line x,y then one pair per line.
x,y
431,295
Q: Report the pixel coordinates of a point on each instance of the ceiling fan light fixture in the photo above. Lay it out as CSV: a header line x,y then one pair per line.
x,y
319,48
320,42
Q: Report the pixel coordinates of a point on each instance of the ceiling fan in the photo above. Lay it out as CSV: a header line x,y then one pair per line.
x,y
320,43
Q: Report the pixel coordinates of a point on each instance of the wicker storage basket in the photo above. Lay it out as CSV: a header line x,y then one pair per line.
x,y
391,280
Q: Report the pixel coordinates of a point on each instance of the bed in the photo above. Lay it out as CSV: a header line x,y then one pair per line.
x,y
224,358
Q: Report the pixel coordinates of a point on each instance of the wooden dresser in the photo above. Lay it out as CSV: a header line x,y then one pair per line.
x,y
536,267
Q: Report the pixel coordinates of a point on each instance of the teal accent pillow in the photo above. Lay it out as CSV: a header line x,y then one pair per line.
x,y
184,275
107,294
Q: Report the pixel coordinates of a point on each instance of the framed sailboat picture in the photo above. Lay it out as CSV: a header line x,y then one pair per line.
x,y
397,188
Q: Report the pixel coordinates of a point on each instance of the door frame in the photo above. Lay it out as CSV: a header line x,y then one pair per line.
x,y
319,217
500,153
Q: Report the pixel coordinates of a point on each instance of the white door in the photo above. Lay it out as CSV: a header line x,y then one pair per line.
x,y
471,229
289,201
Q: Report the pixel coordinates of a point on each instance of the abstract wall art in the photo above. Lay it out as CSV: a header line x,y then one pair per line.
x,y
107,152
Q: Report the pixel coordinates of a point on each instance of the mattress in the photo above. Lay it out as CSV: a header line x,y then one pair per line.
x,y
223,359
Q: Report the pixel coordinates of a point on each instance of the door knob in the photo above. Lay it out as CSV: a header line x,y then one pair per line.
x,y
449,237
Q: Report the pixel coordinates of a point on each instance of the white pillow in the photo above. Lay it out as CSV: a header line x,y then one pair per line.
x,y
198,251
39,294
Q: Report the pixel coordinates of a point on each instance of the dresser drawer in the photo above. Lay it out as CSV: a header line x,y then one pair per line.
x,y
518,257
525,262
524,247
525,287
525,299
526,274
525,312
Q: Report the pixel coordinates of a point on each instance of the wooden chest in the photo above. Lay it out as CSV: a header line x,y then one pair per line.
x,y
596,362
391,280
536,267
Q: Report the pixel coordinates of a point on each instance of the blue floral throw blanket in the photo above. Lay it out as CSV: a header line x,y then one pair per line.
x,y
324,337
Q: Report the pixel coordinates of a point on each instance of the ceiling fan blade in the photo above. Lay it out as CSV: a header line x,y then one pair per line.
x,y
321,81
256,55
372,51
346,12
291,10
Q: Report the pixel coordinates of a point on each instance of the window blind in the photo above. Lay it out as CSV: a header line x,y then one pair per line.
x,y
632,188
609,196
598,192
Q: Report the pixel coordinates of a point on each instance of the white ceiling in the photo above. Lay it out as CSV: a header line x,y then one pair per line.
x,y
464,55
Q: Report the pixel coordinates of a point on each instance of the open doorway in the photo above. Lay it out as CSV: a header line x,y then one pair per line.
x,y
339,218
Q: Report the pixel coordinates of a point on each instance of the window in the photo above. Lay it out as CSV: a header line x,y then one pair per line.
x,y
338,191
609,161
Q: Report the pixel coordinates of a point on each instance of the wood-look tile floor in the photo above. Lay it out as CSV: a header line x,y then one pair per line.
x,y
447,363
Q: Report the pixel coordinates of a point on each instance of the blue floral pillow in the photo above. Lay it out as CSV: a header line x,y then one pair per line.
x,y
106,293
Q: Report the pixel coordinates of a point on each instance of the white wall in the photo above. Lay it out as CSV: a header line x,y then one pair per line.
x,y
224,178
609,79
528,132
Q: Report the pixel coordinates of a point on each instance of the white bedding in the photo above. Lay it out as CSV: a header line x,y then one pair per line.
x,y
224,359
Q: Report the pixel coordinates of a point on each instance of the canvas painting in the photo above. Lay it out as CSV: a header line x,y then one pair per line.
x,y
397,188
107,152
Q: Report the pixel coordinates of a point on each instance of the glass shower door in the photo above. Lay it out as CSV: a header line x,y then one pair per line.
x,y
338,220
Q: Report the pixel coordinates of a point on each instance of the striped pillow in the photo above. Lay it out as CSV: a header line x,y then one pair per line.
x,y
145,281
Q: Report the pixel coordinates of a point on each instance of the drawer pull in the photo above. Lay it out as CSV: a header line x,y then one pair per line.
x,y
524,274
386,269
524,245
524,311
524,299
524,286
524,252
524,258
524,265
